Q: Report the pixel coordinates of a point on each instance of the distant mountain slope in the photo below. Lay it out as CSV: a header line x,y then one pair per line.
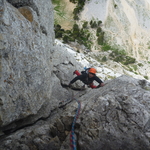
x,y
126,27
63,13
126,24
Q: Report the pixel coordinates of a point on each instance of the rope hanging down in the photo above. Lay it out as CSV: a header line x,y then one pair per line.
x,y
72,134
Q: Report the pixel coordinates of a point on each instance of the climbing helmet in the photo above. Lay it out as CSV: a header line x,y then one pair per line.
x,y
92,70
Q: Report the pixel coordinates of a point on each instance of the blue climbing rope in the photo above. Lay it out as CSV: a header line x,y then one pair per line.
x,y
72,134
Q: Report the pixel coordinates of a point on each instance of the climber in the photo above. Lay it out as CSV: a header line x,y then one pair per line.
x,y
87,77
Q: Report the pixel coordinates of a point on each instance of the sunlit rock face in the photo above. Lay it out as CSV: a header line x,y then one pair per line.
x,y
126,24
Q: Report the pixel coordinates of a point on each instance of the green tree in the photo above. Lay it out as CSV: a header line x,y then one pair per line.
x,y
75,28
68,32
58,31
85,24
76,17
81,1
76,34
99,22
100,39
98,31
76,11
88,35
91,22
73,1
94,24
66,39
57,27
58,34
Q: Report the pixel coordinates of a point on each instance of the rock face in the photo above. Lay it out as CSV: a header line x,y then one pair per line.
x,y
130,26
32,68
116,116
125,23
33,115
26,50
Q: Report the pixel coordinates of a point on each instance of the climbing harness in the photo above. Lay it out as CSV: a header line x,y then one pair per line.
x,y
72,134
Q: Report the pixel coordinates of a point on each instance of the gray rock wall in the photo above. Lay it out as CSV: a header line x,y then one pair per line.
x,y
32,68
114,117
26,43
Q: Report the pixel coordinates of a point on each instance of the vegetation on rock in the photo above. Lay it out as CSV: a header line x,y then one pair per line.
x,y
83,36
80,35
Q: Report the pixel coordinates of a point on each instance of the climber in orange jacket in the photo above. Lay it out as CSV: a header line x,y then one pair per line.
x,y
87,77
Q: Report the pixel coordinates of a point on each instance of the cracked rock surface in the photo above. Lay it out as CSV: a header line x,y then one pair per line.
x,y
32,71
116,116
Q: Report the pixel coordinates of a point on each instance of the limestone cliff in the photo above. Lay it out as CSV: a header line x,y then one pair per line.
x,y
36,112
27,38
125,23
32,67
